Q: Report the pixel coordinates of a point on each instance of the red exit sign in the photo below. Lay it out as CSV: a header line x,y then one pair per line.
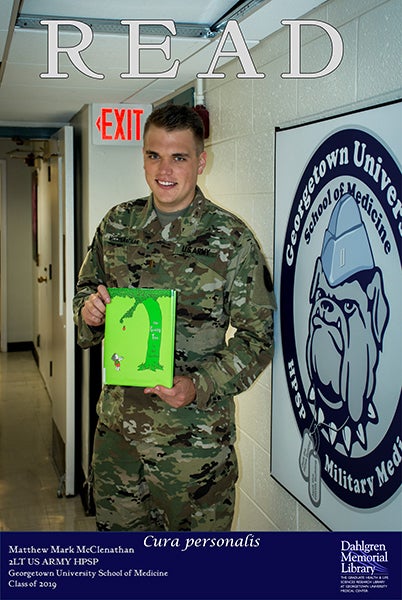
x,y
119,124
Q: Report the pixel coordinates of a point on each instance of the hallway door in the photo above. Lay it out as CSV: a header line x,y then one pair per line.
x,y
56,280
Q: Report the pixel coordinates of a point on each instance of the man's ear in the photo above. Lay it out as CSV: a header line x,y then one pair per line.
x,y
202,161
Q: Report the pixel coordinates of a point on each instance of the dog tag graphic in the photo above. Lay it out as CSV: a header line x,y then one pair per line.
x,y
314,481
307,447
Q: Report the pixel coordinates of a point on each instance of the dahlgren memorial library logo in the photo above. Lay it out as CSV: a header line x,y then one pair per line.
x,y
363,567
341,318
360,557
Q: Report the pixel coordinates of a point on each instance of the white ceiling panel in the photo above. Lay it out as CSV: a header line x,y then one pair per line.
x,y
193,11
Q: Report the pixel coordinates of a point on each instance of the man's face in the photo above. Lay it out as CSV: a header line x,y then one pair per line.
x,y
172,165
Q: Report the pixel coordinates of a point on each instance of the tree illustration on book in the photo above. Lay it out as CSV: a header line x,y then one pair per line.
x,y
155,326
139,337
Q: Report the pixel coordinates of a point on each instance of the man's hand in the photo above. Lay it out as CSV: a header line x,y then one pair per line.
x,y
93,311
182,393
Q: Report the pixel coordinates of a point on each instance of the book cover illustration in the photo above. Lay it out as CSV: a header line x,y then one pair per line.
x,y
139,337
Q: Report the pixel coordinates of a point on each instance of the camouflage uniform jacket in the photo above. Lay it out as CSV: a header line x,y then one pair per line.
x,y
215,264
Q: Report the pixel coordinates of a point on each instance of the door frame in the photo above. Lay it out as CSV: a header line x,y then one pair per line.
x,y
67,247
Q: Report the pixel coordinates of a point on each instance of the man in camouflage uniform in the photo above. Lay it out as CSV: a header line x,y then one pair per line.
x,y
164,458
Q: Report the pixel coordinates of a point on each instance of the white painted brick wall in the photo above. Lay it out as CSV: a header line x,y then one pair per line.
x,y
240,176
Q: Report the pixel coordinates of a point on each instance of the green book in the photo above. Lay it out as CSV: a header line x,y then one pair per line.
x,y
139,337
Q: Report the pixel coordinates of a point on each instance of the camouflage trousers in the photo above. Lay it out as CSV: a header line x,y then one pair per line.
x,y
142,487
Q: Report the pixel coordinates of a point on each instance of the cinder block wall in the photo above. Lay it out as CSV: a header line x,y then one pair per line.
x,y
240,176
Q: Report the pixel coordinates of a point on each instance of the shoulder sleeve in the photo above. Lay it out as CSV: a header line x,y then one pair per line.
x,y
251,303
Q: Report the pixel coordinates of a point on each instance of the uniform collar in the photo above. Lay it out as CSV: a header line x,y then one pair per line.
x,y
182,227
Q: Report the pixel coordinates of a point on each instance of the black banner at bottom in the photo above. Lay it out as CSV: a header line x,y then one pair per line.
x,y
201,566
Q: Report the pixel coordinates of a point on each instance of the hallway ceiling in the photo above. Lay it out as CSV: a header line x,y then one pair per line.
x,y
28,100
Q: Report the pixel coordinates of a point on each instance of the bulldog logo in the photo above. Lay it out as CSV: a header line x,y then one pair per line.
x,y
348,318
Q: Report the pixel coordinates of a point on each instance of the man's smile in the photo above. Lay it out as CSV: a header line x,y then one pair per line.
x,y
165,183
